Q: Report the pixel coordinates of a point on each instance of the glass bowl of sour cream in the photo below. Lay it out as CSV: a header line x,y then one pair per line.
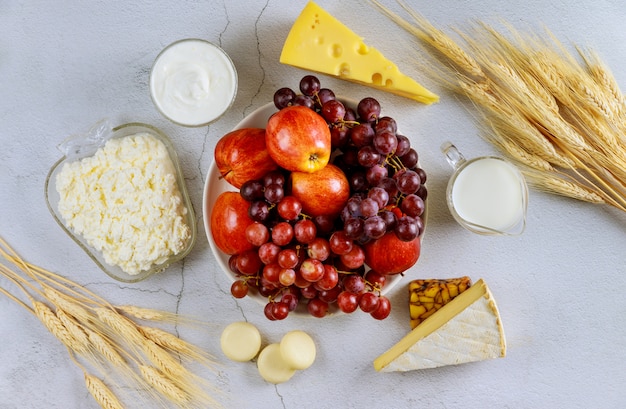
x,y
193,82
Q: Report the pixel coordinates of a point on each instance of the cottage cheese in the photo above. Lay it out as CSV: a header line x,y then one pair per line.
x,y
125,202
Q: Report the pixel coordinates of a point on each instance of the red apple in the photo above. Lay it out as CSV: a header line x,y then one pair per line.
x,y
322,193
298,139
229,220
240,156
389,255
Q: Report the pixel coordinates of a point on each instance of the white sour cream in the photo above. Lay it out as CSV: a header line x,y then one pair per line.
x,y
193,82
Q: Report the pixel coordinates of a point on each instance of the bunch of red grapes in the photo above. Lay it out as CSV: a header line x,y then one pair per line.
x,y
320,261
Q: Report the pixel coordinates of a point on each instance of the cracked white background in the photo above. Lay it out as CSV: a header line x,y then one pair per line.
x,y
559,286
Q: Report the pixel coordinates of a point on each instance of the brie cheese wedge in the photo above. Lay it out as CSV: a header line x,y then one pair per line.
x,y
467,329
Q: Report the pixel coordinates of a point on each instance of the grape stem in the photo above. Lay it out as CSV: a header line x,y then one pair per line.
x,y
394,162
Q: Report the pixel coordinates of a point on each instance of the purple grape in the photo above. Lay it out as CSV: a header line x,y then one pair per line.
x,y
374,227
333,111
368,109
408,181
410,158
251,190
284,97
412,205
310,85
386,123
406,228
404,145
385,142
369,207
362,135
368,156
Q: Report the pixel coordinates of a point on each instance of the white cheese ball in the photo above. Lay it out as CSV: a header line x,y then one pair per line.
x,y
240,341
272,366
298,349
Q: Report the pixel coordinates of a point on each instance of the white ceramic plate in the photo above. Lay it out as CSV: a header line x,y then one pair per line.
x,y
214,186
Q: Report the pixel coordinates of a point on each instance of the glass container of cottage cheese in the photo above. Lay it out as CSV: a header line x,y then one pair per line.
x,y
193,82
120,195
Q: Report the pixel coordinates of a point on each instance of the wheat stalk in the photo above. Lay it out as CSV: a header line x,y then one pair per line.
x,y
76,331
68,305
120,325
563,187
105,349
101,393
164,385
539,103
54,325
164,361
436,39
96,334
173,343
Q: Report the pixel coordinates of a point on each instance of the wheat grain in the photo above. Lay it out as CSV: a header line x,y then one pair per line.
x,y
194,387
538,89
597,101
173,343
508,122
164,361
604,138
65,303
158,344
557,185
164,385
515,129
54,325
480,92
122,326
101,393
506,53
460,58
105,349
541,66
520,155
603,76
77,333
146,314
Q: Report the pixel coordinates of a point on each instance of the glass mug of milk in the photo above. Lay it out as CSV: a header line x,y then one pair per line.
x,y
487,195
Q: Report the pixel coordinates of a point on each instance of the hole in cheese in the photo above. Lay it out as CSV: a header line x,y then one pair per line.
x,y
377,79
336,50
362,49
344,69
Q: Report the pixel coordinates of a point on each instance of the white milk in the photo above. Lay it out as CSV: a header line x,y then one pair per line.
x,y
193,82
488,192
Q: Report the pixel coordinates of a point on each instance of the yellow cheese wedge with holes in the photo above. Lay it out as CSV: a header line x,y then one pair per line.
x,y
466,329
319,42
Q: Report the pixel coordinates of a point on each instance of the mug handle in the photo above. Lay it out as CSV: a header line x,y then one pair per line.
x,y
454,157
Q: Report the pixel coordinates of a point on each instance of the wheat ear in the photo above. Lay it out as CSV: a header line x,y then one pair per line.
x,y
164,385
101,393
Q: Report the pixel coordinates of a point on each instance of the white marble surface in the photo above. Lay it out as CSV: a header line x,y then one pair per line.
x,y
559,286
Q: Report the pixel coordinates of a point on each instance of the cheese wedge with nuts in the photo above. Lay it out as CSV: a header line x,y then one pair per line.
x,y
466,329
319,42
427,296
